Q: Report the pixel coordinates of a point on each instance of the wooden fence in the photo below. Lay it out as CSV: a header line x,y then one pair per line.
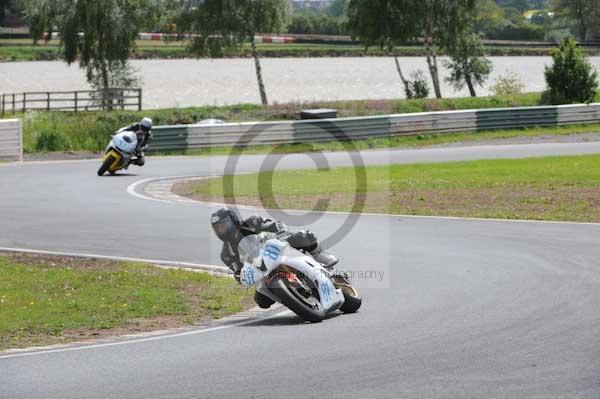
x,y
81,100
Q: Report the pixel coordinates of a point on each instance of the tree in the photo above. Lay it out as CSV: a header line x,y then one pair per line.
x,y
99,34
571,78
585,12
443,22
337,8
3,6
221,24
392,22
468,64
384,23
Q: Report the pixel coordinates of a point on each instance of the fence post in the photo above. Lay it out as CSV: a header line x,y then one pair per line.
x,y
139,99
76,100
3,103
24,102
47,101
13,104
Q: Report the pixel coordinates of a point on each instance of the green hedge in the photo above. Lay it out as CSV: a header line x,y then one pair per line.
x,y
49,52
89,131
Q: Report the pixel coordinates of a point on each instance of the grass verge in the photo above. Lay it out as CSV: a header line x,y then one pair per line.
x,y
552,188
48,300
89,131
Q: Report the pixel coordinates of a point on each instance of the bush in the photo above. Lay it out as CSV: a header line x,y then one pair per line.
x,y
417,87
571,78
524,31
51,141
314,24
508,85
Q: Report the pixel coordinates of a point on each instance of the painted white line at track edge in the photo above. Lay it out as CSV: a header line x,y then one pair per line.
x,y
132,190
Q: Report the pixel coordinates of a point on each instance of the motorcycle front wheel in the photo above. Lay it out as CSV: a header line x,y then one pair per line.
x,y
300,296
109,160
352,299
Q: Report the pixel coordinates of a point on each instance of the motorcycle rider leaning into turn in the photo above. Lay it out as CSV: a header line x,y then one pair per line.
x,y
143,131
230,229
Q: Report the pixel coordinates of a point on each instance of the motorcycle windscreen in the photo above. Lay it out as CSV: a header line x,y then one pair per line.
x,y
249,248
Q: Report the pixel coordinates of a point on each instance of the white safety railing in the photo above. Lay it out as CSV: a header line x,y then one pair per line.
x,y
183,137
11,140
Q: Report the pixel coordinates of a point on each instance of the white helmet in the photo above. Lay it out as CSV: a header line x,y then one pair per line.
x,y
146,124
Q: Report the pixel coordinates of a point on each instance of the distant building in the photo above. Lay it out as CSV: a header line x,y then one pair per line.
x,y
311,4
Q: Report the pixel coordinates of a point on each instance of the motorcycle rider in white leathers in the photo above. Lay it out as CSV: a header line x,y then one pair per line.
x,y
143,131
230,229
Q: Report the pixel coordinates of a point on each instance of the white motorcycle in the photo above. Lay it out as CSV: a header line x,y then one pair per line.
x,y
118,153
294,279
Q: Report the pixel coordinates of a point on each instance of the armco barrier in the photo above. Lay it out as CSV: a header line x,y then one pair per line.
x,y
11,140
183,137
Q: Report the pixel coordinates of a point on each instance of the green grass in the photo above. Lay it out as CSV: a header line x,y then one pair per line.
x,y
24,50
89,131
40,301
553,188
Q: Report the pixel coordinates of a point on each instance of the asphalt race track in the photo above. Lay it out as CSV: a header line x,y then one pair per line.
x,y
467,308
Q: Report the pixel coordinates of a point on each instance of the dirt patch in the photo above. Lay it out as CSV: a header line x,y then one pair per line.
x,y
61,156
50,261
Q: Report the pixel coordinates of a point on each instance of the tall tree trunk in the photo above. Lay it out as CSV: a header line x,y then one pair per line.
x,y
106,95
470,84
404,81
582,15
261,84
432,64
582,31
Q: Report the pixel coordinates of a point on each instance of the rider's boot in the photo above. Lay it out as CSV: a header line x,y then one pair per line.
x,y
325,258
263,301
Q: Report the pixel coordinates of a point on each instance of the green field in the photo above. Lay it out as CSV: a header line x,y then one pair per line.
x,y
54,300
554,188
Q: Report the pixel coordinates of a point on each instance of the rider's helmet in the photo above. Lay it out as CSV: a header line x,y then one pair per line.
x,y
225,224
146,124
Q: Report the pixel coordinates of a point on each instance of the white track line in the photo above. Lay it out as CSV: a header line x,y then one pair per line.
x,y
132,190
140,340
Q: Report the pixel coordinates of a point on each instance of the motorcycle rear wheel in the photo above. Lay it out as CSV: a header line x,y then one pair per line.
x,y
307,309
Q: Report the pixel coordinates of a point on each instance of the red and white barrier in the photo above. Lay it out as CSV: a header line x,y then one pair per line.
x,y
154,36
274,39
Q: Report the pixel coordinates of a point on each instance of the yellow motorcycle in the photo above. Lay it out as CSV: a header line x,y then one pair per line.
x,y
118,153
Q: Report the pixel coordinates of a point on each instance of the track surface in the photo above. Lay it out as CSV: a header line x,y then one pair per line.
x,y
473,308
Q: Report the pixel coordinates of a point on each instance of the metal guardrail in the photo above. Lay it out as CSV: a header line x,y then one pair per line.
x,y
182,137
80,100
11,140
